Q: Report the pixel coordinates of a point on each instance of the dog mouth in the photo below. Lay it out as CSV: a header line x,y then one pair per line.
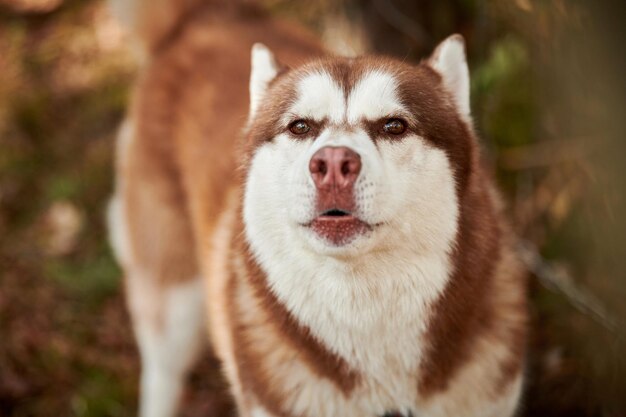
x,y
338,227
335,213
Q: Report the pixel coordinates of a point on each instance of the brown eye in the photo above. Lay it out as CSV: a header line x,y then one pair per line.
x,y
394,126
299,127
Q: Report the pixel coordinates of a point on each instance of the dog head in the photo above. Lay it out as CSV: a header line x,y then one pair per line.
x,y
349,156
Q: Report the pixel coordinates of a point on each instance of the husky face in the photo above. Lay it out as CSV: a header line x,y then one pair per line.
x,y
351,156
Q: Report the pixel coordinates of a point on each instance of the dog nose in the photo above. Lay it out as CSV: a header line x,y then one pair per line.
x,y
335,167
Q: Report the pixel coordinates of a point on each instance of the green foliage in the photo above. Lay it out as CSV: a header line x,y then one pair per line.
x,y
502,91
99,394
91,280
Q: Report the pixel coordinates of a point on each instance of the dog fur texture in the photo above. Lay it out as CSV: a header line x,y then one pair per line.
x,y
419,310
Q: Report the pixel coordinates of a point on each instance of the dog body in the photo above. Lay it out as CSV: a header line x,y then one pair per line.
x,y
354,257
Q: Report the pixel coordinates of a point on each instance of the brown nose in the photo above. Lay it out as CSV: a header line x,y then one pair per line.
x,y
335,167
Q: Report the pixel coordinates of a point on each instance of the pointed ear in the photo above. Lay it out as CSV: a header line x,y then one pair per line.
x,y
450,62
264,70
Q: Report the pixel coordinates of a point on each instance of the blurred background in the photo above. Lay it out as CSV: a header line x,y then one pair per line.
x,y
549,101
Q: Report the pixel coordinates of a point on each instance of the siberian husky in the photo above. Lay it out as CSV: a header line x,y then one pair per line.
x,y
326,219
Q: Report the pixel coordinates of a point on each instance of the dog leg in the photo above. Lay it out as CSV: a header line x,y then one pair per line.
x,y
152,239
168,324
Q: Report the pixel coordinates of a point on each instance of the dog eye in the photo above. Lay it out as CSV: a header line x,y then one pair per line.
x,y
299,127
394,126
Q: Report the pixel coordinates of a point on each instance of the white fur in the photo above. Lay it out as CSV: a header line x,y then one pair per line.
x,y
374,96
449,60
168,323
264,70
370,300
319,97
118,235
116,220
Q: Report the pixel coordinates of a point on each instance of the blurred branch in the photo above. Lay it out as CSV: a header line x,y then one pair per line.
x,y
541,154
557,279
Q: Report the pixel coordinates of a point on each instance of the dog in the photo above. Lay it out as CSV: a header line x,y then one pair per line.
x,y
326,222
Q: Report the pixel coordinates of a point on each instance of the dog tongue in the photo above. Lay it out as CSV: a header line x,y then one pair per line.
x,y
339,230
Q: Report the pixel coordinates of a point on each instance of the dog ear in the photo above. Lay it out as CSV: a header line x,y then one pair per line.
x,y
264,69
450,62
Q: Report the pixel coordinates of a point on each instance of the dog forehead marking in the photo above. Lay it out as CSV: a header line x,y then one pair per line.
x,y
374,96
319,97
